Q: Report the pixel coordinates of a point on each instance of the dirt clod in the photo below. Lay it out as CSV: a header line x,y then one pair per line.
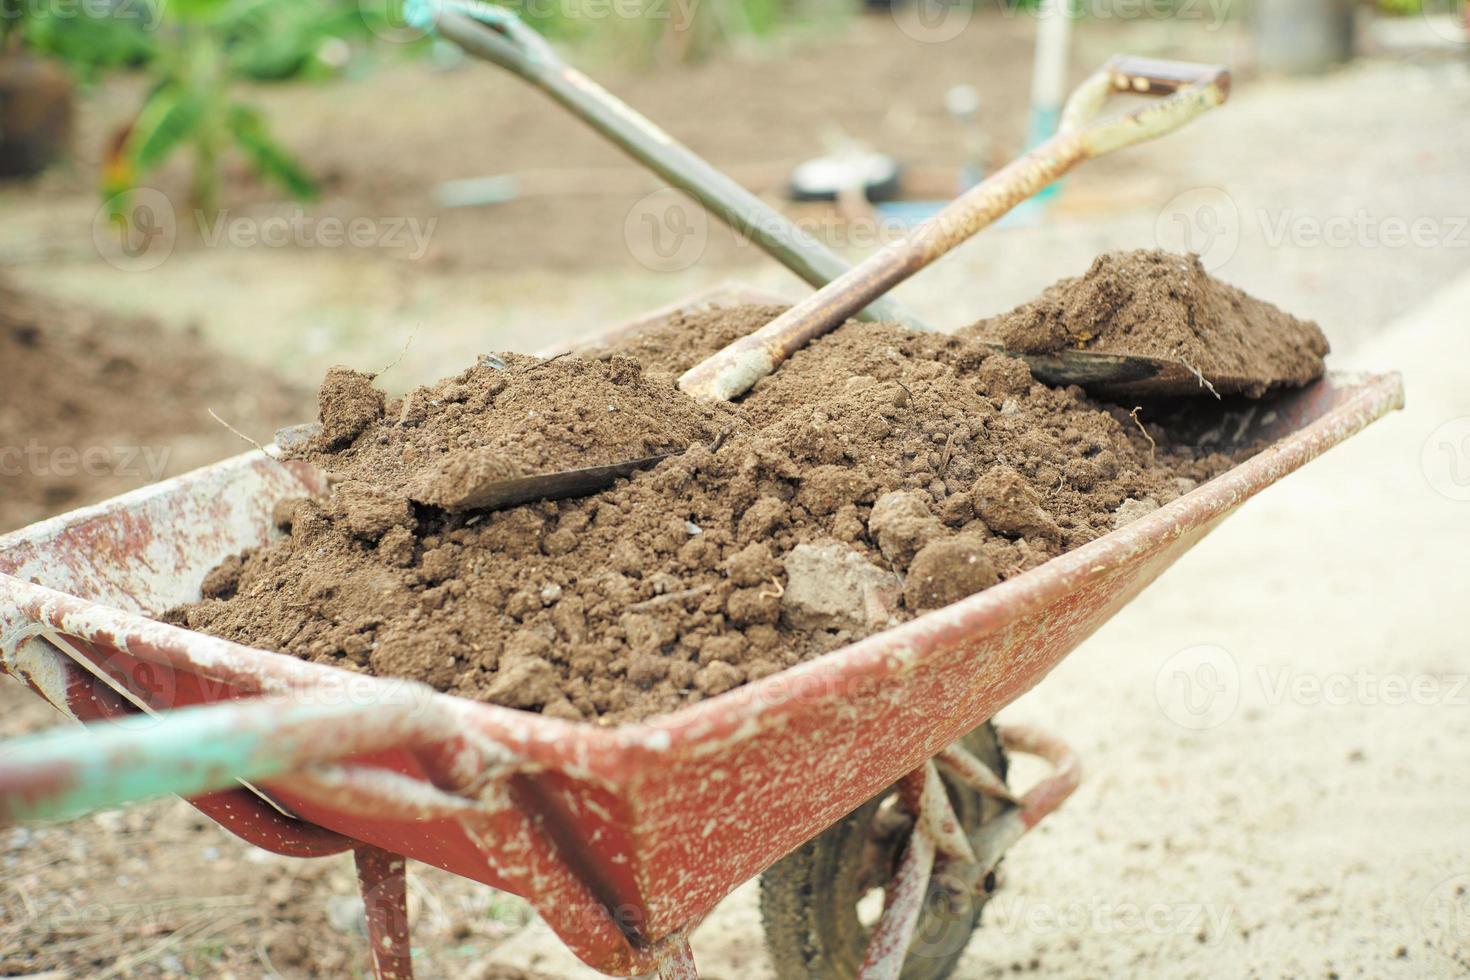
x,y
347,404
947,571
830,586
1008,504
902,523
368,512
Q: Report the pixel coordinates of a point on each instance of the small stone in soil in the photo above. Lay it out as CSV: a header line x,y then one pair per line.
x,y
828,585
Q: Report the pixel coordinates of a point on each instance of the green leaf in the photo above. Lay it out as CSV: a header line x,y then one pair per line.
x,y
271,160
197,10
169,117
89,44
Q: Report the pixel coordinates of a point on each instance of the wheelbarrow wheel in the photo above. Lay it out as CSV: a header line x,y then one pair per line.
x,y
820,902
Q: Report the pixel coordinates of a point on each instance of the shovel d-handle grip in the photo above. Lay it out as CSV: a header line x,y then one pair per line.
x,y
1156,76
498,36
1187,90
202,749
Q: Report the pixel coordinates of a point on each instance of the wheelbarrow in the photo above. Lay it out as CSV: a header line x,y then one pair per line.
x,y
871,766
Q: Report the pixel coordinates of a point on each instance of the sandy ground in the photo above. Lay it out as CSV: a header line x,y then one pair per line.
x,y
1275,735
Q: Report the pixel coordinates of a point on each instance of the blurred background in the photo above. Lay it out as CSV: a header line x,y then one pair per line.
x,y
239,140
208,202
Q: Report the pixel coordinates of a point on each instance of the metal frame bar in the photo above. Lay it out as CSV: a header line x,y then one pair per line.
x,y
382,878
189,751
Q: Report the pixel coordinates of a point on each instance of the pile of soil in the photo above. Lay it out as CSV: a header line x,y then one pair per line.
x,y
1152,303
879,473
94,404
511,415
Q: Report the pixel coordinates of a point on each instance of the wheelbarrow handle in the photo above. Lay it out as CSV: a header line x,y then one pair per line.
x,y
1187,90
189,751
498,36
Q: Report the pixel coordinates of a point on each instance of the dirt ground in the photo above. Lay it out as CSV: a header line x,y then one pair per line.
x,y
71,370
1317,828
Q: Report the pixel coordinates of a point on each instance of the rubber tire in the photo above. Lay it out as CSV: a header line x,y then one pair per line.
x,y
809,898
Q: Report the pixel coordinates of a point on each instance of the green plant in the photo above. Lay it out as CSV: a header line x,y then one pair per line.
x,y
88,39
197,63
280,39
196,51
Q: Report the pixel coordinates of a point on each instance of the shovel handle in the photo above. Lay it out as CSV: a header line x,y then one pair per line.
x,y
1187,90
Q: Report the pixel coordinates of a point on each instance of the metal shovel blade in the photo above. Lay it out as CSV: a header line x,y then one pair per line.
x,y
484,485
1123,377
507,491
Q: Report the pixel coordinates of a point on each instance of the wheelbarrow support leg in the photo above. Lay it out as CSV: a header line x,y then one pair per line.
x,y
381,876
1040,800
678,962
888,946
937,832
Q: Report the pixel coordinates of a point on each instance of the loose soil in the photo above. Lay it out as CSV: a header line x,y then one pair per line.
x,y
879,473
93,404
1153,303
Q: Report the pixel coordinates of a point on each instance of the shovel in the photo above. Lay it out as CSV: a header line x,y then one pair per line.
x,y
1189,90
498,36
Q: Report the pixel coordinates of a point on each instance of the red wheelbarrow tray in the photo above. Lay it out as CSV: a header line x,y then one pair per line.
x,y
626,836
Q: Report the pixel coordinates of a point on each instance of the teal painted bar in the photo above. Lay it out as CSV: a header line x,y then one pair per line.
x,y
186,752
1042,126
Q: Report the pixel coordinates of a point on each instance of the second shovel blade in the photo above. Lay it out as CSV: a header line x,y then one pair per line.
x,y
1125,377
